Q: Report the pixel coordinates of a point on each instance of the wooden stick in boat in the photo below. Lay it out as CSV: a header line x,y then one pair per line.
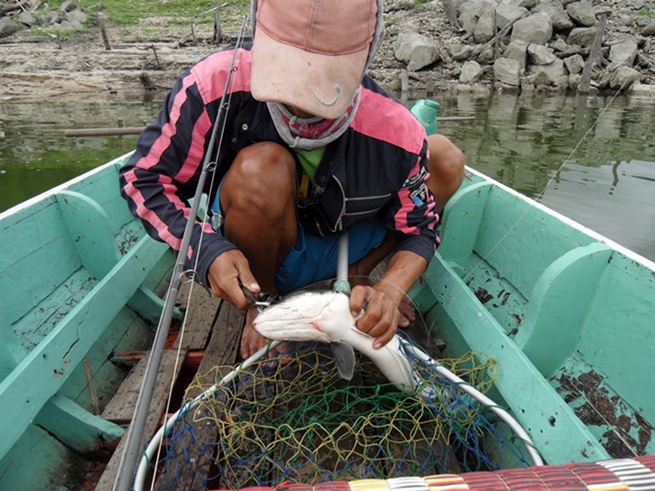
x,y
138,130
455,118
104,131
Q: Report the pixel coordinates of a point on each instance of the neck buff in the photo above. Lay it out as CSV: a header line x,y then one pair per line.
x,y
310,133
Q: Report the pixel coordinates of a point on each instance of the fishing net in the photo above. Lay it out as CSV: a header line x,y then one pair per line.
x,y
298,421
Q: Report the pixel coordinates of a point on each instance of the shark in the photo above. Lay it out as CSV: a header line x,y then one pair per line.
x,y
325,316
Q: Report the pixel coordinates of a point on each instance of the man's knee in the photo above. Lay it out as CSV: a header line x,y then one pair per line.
x,y
446,160
446,166
261,179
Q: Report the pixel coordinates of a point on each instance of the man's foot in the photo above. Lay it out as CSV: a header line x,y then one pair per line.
x,y
251,340
407,313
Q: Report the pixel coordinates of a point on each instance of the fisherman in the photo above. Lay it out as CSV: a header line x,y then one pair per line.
x,y
312,148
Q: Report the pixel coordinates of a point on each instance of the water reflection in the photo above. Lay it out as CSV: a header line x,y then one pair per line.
x,y
590,158
34,153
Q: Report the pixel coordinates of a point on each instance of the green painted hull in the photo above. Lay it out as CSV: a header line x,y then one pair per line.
x,y
77,274
568,316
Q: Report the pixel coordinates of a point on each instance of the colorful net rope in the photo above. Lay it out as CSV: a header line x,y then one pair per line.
x,y
298,421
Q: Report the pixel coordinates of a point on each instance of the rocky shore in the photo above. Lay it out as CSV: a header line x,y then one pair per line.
x,y
441,45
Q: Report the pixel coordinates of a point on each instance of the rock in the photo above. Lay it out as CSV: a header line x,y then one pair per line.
x,y
415,49
537,79
487,56
649,30
582,36
558,16
27,19
554,73
574,64
517,50
472,10
559,45
570,50
540,55
506,14
638,88
574,81
459,52
535,29
8,27
445,56
471,72
507,71
582,13
67,6
624,52
623,19
51,18
623,77
526,4
484,29
76,16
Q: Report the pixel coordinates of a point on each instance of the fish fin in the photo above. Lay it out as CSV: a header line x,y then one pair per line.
x,y
344,357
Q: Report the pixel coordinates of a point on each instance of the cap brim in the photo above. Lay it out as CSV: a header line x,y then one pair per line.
x,y
323,85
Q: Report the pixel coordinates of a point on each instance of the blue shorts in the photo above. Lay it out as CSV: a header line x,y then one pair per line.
x,y
313,258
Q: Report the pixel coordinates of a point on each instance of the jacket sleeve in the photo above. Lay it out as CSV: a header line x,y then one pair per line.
x,y
413,211
162,175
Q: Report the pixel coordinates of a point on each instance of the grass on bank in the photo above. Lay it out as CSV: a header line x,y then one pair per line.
x,y
176,12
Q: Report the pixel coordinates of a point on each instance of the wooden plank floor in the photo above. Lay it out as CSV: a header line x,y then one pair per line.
x,y
221,350
210,326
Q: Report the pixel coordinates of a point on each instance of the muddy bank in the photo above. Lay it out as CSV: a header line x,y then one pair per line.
x,y
467,50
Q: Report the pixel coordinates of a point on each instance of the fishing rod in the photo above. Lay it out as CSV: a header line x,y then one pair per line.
x,y
135,432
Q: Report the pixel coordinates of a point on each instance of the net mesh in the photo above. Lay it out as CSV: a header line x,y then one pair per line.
x,y
298,421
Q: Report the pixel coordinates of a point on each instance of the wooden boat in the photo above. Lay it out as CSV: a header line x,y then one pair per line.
x,y
568,315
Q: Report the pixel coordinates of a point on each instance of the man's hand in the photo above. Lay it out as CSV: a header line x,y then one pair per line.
x,y
381,316
224,275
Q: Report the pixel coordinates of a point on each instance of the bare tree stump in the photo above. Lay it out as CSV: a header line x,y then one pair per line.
x,y
147,83
451,14
594,56
404,85
152,46
105,37
218,31
496,38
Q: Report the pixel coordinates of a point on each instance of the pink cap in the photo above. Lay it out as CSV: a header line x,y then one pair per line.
x,y
311,53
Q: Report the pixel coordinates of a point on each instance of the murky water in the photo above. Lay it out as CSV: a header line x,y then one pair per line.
x,y
592,159
34,153
589,158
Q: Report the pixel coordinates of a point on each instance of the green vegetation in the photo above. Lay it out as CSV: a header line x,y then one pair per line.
x,y
646,13
131,12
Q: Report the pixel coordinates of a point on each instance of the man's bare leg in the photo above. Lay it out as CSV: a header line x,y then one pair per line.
x,y
258,201
446,166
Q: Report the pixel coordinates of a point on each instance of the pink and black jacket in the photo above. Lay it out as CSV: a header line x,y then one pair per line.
x,y
375,170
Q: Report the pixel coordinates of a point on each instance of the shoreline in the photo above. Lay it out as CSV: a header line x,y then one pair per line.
x,y
38,64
